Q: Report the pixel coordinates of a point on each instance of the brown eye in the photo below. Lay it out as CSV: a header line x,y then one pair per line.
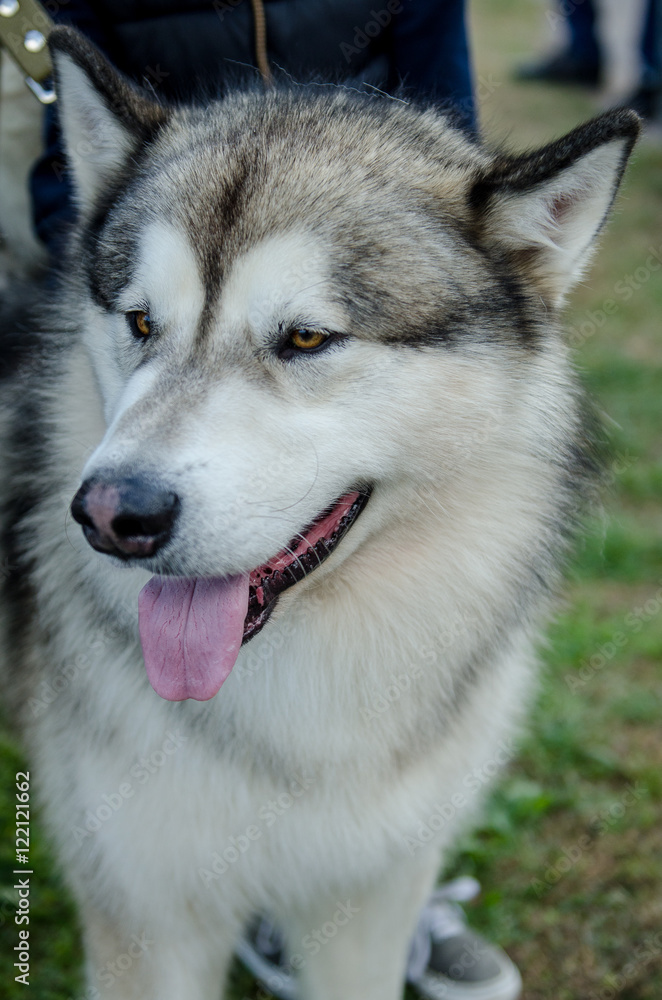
x,y
307,340
140,324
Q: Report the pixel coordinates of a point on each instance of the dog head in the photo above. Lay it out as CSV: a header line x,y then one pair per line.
x,y
299,307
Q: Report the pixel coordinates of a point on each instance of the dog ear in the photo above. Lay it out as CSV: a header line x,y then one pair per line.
x,y
104,118
544,210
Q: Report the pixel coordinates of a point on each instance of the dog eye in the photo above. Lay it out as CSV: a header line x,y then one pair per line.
x,y
300,340
307,340
140,324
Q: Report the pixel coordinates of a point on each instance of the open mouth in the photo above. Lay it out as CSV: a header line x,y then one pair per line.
x,y
305,553
191,630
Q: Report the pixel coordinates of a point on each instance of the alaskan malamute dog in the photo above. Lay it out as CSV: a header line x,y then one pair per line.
x,y
289,477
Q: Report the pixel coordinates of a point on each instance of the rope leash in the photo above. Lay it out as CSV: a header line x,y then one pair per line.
x,y
261,42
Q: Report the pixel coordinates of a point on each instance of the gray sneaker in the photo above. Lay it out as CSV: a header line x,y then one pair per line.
x,y
447,961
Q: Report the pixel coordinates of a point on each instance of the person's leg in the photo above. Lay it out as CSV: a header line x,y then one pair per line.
x,y
583,42
579,61
651,46
620,29
430,54
647,99
631,44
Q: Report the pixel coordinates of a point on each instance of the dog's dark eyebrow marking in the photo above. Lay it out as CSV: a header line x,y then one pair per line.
x,y
109,267
210,226
514,306
109,248
108,241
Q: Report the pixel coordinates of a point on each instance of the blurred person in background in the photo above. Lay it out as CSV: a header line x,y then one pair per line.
x,y
610,44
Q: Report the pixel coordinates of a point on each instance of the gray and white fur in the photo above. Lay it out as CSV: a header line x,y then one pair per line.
x,y
402,664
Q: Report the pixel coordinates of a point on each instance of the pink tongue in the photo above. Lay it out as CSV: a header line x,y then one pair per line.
x,y
191,632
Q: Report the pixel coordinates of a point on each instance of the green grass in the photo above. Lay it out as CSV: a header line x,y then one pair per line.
x,y
572,916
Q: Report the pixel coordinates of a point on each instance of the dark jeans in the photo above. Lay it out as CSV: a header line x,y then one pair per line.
x,y
584,46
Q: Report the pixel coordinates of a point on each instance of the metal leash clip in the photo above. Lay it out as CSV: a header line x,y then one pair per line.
x,y
24,30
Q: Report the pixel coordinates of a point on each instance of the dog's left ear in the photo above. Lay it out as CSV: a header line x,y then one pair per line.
x,y
544,210
104,118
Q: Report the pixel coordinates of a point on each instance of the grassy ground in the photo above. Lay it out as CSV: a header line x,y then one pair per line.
x,y
569,855
570,848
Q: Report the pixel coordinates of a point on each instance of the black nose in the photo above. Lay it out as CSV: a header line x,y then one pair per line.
x,y
131,518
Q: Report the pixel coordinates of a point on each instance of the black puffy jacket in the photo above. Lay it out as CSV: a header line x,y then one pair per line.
x,y
182,47
203,43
